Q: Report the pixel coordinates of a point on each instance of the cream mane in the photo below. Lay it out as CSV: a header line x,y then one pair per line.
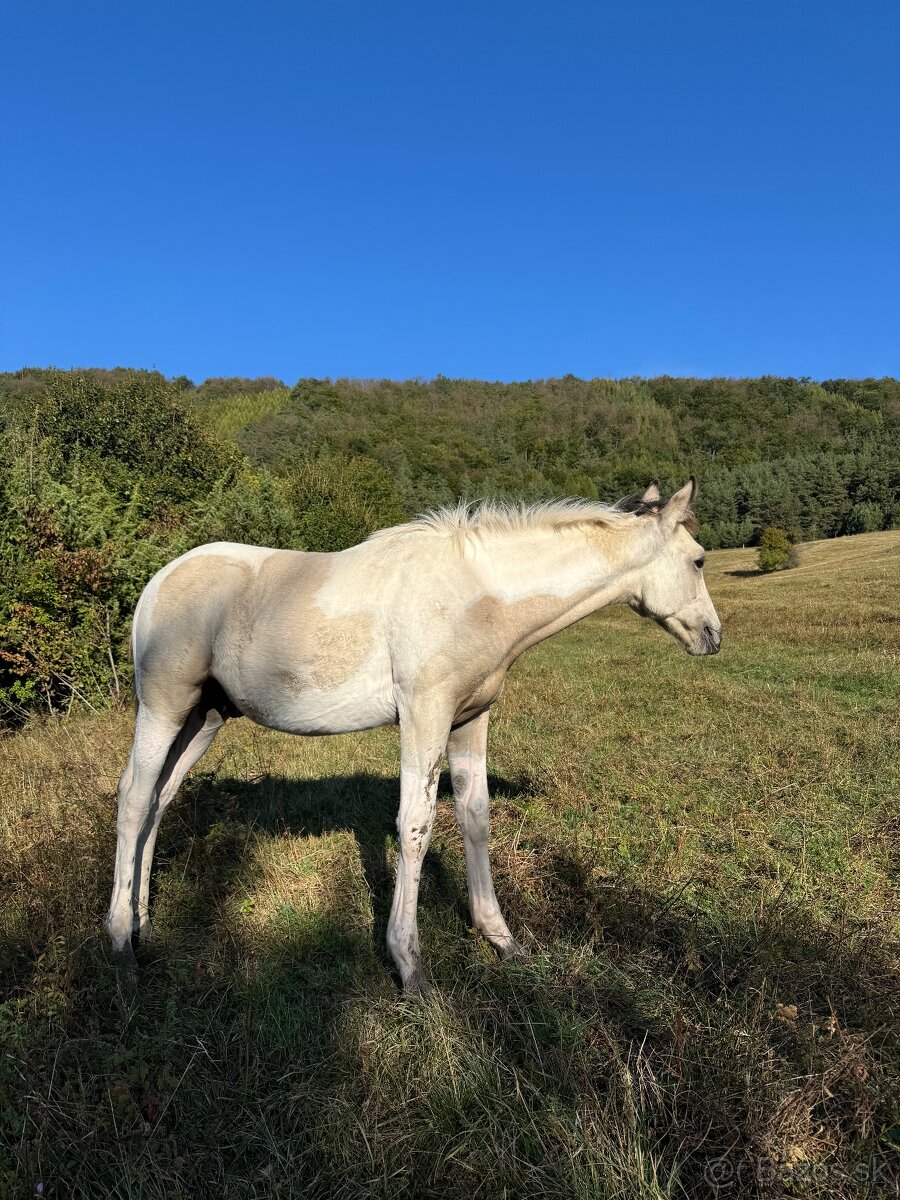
x,y
498,516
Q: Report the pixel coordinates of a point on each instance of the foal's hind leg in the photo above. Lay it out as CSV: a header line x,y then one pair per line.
x,y
194,739
165,748
467,753
153,738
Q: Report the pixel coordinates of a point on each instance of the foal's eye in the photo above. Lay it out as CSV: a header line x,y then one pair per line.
x,y
698,562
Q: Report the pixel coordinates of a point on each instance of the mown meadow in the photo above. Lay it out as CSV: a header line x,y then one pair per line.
x,y
701,857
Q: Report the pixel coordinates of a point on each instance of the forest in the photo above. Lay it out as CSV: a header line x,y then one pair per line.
x,y
817,460
108,474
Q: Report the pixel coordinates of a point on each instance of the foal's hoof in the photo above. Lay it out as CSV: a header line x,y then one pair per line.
x,y
417,986
122,957
512,949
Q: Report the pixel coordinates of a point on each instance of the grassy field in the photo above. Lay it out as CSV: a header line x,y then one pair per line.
x,y
701,856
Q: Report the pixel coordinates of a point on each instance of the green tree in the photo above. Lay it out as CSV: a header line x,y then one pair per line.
x,y
775,550
138,427
864,517
339,502
103,479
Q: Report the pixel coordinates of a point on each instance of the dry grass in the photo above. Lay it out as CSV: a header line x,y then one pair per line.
x,y
701,855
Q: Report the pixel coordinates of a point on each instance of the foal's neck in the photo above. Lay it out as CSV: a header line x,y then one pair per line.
x,y
550,578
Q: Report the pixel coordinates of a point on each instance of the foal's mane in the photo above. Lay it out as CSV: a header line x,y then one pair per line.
x,y
498,516
501,516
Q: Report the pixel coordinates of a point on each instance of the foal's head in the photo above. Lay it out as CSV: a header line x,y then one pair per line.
x,y
671,588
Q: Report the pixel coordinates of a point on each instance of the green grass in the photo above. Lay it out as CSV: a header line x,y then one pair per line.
x,y
701,856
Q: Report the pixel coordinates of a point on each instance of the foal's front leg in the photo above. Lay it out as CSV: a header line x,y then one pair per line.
x,y
467,751
422,744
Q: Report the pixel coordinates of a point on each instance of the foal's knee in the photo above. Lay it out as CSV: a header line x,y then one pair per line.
x,y
472,813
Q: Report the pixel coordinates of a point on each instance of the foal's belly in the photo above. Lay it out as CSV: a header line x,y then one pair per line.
x,y
296,698
320,713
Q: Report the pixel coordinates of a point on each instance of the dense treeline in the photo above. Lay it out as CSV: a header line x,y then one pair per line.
x,y
106,475
815,459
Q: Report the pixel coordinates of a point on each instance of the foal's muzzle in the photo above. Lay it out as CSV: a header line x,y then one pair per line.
x,y
710,641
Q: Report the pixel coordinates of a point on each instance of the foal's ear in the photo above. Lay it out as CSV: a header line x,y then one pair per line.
x,y
678,508
652,493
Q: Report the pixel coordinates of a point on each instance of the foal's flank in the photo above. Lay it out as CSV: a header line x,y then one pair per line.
x,y
417,625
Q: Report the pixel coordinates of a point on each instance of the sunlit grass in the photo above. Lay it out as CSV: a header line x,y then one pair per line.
x,y
701,856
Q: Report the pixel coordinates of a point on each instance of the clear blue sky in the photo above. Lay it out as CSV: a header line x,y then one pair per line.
x,y
492,189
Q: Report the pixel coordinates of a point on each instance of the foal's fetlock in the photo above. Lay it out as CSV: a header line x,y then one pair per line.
x,y
505,944
501,939
121,954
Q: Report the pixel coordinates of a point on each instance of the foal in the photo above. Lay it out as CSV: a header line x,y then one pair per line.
x,y
418,625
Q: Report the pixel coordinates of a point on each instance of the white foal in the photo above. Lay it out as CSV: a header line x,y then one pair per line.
x,y
418,625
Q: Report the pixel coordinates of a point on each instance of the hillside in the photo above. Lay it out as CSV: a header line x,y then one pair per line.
x,y
815,459
107,475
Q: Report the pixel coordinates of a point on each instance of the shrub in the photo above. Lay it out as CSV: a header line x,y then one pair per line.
x,y
101,479
339,502
105,479
136,428
61,582
245,506
775,550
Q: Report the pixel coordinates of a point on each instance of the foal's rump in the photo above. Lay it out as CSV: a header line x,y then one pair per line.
x,y
179,617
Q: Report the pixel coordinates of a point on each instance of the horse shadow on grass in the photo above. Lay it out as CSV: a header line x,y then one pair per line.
x,y
709,955
635,998
362,804
841,968
285,1063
